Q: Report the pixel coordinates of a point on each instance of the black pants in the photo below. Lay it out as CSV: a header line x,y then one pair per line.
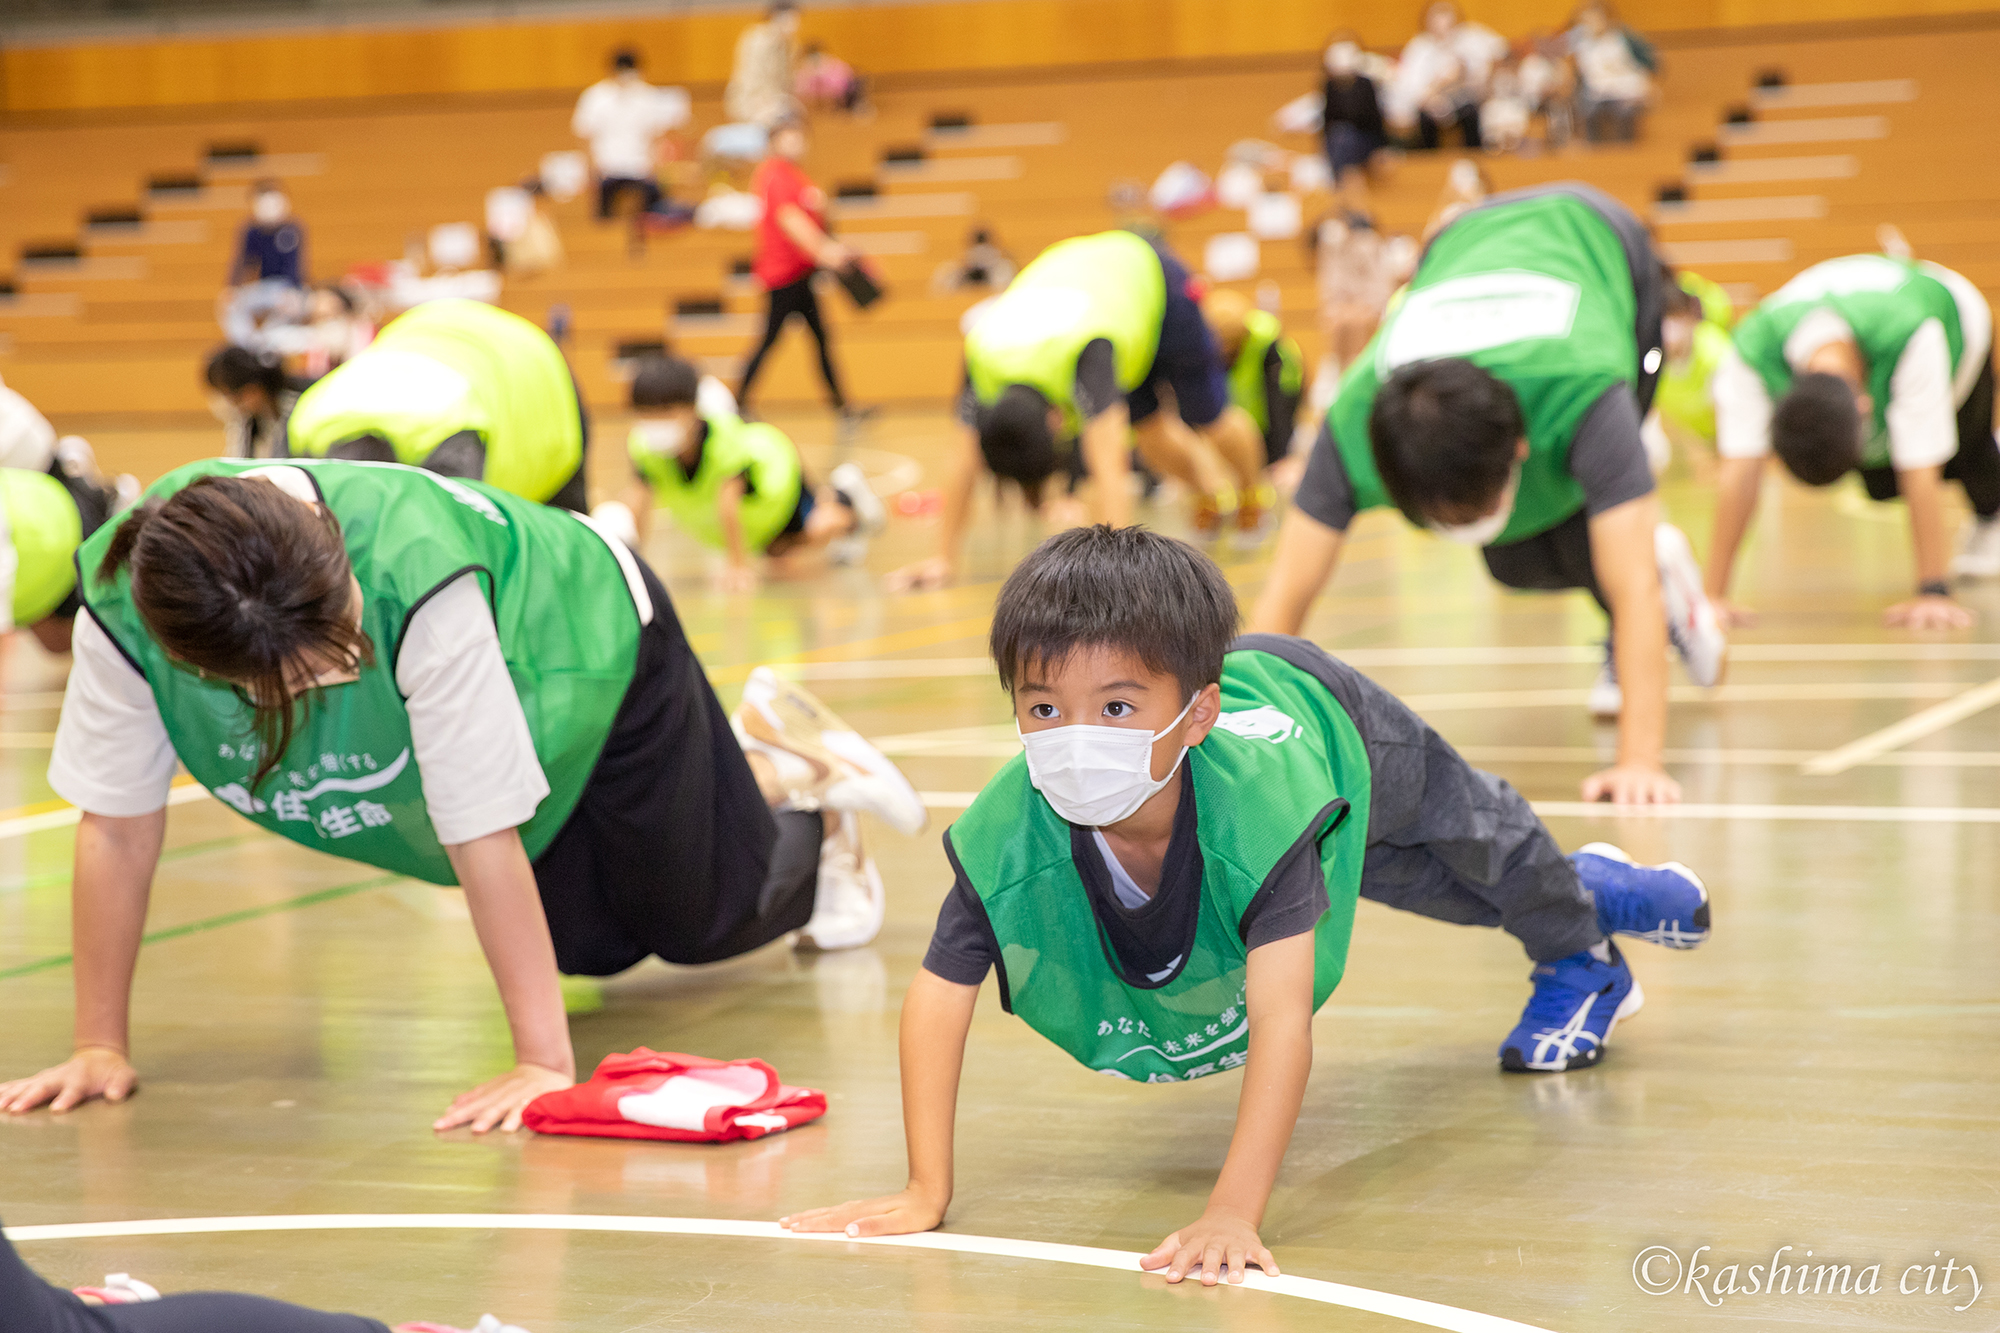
x,y
1466,118
610,187
1445,840
1550,561
672,849
793,299
30,1305
1976,465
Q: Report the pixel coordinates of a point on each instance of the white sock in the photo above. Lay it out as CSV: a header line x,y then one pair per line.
x,y
1601,951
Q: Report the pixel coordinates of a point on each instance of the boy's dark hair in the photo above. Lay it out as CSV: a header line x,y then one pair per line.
x,y
1816,429
1126,588
625,57
1445,434
1674,298
665,381
1014,435
233,368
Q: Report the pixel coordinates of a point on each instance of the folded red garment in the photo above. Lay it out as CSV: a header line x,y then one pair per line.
x,y
667,1095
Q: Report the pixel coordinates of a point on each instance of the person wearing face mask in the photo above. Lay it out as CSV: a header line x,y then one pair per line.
x,y
273,245
733,485
622,118
1351,121
1876,364
1694,337
442,680
1500,406
1165,879
462,388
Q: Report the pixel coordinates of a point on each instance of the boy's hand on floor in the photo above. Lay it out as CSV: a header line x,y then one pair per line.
x,y
499,1102
936,572
94,1071
1216,1242
891,1215
1928,613
1632,784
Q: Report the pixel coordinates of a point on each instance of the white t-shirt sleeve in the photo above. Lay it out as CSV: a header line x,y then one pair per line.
x,y
473,748
112,755
1742,409
1922,412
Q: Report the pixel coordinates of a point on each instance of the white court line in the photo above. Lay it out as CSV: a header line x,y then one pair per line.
x,y
1428,1313
1917,725
69,814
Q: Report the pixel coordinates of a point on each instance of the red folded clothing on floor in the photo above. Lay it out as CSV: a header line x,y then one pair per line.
x,y
667,1095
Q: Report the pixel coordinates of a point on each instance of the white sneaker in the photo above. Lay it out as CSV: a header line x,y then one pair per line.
x,y
825,763
1691,623
1607,698
871,515
848,902
120,1289
1978,549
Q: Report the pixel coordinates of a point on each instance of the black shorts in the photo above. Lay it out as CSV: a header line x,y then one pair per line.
x,y
1976,465
1188,361
672,850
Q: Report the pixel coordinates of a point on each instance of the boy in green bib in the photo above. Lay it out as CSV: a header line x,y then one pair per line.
x,y
1876,364
1499,406
735,486
44,517
1165,880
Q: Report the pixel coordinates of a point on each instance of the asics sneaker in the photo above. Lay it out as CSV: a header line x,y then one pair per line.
x,y
823,762
1577,1002
1256,514
119,1289
1607,698
1978,549
1691,624
1664,904
848,902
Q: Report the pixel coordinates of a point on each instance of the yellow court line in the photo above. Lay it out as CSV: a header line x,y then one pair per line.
x,y
1917,725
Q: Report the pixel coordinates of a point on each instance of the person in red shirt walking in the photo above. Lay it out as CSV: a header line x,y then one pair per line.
x,y
792,244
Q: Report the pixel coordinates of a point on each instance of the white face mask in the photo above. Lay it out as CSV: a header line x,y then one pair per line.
x,y
270,208
662,437
1481,532
1342,58
1096,775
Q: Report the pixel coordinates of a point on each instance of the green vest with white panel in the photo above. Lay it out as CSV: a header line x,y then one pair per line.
x,y
348,783
1284,765
1538,293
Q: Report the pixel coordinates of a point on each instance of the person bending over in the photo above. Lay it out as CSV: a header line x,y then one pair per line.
x,y
462,388
1179,851
253,397
1098,346
1267,373
442,680
735,486
1499,406
1872,364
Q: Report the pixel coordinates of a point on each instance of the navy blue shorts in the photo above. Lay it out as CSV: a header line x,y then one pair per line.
x,y
1188,361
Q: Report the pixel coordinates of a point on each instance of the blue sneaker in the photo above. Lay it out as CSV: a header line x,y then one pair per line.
x,y
1664,904
1567,1024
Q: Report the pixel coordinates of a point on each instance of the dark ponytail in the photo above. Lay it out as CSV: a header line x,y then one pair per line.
x,y
240,581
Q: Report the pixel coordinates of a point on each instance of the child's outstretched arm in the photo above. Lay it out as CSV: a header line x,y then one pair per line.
x,y
1278,994
936,1014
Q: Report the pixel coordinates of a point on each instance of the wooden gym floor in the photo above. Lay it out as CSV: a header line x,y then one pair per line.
x,y
1821,1075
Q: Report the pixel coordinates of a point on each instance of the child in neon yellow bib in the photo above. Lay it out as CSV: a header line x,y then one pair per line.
x,y
1165,880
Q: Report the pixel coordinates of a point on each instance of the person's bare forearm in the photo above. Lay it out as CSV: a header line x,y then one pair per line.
x,y
1737,483
804,232
729,515
1107,457
936,1015
1628,571
1307,553
1274,1087
961,474
506,910
1923,495
113,880
640,500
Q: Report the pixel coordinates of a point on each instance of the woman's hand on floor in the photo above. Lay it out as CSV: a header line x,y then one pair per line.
x,y
94,1071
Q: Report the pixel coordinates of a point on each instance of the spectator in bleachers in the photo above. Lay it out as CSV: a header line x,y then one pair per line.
x,y
1613,74
252,396
792,245
272,247
826,82
983,265
760,84
1351,121
1506,112
1442,77
623,118
1548,85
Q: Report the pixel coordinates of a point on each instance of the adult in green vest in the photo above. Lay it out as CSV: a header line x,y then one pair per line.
x,y
1165,881
443,680
1874,364
44,517
1500,406
1267,373
735,486
1064,373
462,388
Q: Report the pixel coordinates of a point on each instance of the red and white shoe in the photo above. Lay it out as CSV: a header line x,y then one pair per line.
x,y
1691,624
119,1289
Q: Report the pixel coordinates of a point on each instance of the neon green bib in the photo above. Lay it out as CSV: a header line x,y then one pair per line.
x,y
449,366
1283,766
45,528
348,783
1538,292
1261,332
762,454
1108,286
1682,392
1884,301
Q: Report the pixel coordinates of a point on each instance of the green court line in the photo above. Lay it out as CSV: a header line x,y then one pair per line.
x,y
49,877
216,922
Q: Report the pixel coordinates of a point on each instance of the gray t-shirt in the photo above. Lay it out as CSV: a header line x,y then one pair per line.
x,y
1607,458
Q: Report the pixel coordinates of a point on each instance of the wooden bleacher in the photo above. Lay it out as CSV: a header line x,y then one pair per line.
x,y
114,340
